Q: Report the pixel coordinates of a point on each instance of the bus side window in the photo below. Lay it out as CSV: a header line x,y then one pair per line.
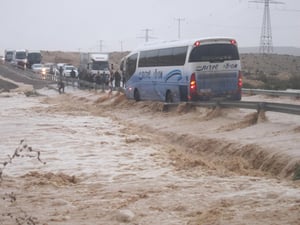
x,y
152,58
131,65
165,57
179,54
148,58
143,59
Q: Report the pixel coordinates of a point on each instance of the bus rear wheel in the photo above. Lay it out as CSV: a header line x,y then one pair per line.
x,y
169,97
136,95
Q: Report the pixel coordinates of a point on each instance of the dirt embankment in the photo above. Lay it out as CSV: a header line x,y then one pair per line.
x,y
6,85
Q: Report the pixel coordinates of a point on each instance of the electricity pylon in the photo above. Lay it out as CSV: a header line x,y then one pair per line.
x,y
266,45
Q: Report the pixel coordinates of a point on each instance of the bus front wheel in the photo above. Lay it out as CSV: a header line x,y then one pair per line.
x,y
136,95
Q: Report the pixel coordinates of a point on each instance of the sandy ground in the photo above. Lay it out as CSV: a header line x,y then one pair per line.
x,y
86,158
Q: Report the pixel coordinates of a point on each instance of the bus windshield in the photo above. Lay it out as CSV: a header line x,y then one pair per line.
x,y
21,55
9,56
34,56
100,65
214,53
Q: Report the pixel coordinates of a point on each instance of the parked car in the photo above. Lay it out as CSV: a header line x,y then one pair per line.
x,y
48,67
37,68
59,65
67,71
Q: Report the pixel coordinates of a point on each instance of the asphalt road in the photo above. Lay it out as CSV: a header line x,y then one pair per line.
x,y
20,76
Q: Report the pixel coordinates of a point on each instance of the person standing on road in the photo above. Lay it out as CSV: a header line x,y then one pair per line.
x,y
110,82
117,76
61,85
98,79
61,71
73,74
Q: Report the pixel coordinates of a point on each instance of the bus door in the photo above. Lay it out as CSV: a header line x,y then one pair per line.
x,y
147,64
146,83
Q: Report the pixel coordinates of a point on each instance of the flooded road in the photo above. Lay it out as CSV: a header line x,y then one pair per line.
x,y
113,161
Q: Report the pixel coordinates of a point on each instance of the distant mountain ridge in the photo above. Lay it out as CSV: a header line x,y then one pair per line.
x,y
277,50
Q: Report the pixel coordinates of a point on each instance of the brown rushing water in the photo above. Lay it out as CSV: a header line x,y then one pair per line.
x,y
136,165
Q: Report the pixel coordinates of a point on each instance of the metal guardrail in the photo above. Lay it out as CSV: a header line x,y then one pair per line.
x,y
264,106
294,93
259,106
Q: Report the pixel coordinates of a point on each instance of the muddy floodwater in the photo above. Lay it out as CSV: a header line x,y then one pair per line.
x,y
86,158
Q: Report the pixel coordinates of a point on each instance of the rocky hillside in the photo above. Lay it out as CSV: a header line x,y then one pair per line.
x,y
271,71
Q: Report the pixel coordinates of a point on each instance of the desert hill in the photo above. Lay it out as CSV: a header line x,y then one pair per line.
x,y
277,50
272,71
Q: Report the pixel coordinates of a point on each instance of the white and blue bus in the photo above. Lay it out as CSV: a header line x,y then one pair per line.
x,y
184,71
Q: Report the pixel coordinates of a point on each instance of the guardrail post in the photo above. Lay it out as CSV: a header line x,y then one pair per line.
x,y
261,109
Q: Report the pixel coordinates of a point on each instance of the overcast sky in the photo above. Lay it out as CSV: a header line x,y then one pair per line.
x,y
115,25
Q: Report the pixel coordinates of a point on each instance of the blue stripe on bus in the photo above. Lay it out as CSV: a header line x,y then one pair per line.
x,y
174,73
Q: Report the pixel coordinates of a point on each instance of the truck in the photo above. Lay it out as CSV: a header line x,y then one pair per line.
x,y
94,63
20,58
33,57
8,55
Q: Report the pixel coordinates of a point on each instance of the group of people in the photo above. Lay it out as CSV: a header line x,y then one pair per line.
x,y
111,79
61,84
114,79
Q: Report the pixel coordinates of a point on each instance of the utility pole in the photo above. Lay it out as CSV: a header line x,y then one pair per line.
x,y
179,26
100,45
266,45
121,42
147,36
79,50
